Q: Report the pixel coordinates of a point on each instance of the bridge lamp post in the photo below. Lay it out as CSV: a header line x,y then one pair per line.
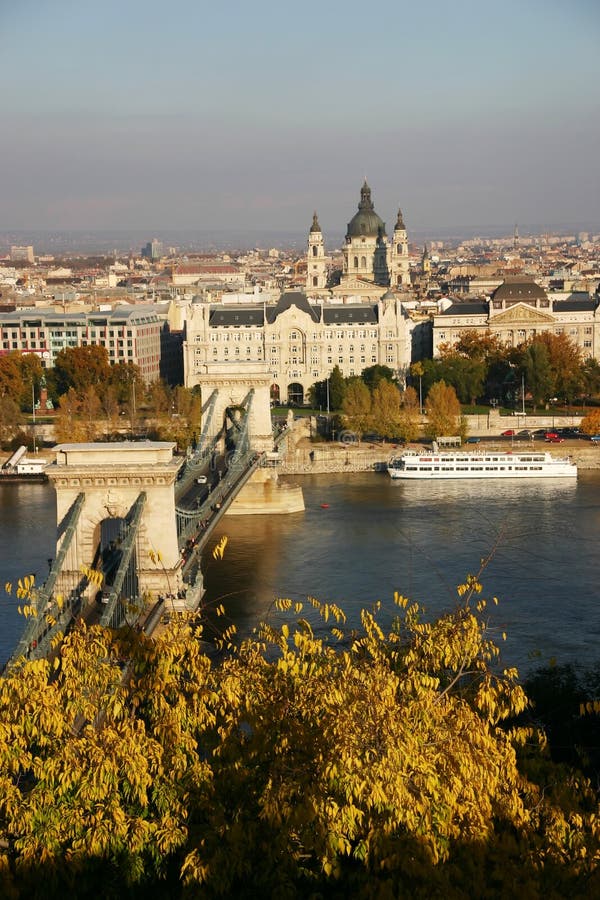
x,y
33,413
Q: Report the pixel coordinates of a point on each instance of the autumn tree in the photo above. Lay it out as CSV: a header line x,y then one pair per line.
x,y
82,367
443,411
69,426
312,760
385,406
10,419
356,407
590,424
409,422
565,363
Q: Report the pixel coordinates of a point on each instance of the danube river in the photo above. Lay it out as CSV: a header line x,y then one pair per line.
x,y
362,537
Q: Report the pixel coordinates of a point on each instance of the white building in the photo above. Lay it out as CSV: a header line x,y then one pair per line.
x,y
298,341
518,310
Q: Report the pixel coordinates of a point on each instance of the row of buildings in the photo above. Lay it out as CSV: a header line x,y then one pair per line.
x,y
375,301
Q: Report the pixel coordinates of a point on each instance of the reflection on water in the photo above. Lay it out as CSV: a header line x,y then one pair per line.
x,y
28,541
378,536
422,539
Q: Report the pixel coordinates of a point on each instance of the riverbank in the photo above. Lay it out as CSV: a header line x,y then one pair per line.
x,y
307,458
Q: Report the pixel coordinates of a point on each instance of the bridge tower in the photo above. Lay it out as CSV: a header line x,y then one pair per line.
x,y
112,477
233,383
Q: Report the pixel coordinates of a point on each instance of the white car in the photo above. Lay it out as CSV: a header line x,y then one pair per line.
x,y
201,479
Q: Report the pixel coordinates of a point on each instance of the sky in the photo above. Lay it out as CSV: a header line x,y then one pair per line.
x,y
245,115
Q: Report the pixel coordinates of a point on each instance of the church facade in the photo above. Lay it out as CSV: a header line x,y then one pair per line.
x,y
371,262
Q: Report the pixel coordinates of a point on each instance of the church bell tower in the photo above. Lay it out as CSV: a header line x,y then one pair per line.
x,y
316,262
399,264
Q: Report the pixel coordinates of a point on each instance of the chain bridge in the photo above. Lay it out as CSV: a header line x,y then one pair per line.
x,y
133,518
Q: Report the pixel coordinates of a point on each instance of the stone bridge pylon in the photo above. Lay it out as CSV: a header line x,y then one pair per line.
x,y
112,477
231,386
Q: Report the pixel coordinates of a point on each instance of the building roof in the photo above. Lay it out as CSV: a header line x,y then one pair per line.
x,y
575,305
475,308
519,289
236,316
361,313
366,222
315,227
289,299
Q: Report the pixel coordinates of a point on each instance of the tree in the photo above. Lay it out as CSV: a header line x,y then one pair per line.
x,y
68,425
590,424
537,372
356,406
360,763
82,367
10,419
337,388
565,363
372,375
443,411
386,408
409,423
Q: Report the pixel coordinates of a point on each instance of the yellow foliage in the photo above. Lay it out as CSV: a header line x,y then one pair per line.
x,y
306,756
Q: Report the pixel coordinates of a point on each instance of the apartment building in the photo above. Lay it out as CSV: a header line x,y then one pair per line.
x,y
131,334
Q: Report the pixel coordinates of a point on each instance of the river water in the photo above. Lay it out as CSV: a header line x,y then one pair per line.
x,y
362,537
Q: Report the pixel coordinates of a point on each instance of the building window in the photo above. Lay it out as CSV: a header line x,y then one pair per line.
x,y
363,262
356,262
314,250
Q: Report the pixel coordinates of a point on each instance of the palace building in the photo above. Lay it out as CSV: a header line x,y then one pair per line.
x,y
297,340
517,311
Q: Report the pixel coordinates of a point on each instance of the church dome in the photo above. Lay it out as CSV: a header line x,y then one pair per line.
x,y
366,222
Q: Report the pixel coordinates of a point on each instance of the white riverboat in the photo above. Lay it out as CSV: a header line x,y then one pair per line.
x,y
429,465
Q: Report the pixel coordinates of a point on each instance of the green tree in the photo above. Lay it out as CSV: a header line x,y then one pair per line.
x,y
372,375
443,411
538,375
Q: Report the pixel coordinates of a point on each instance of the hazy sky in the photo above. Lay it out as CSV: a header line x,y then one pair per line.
x,y
252,113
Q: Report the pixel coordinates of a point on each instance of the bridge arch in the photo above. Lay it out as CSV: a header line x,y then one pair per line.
x,y
112,477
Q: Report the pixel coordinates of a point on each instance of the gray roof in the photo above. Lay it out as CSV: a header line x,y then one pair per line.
x,y
350,315
518,290
236,316
366,222
289,299
580,305
475,308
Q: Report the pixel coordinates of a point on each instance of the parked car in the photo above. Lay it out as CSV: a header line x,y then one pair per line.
x,y
510,432
555,439
595,438
525,433
550,434
201,479
473,440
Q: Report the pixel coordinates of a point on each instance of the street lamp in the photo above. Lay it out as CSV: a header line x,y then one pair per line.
x,y
33,413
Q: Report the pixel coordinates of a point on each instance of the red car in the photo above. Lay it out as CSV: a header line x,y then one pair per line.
x,y
509,433
550,435
554,439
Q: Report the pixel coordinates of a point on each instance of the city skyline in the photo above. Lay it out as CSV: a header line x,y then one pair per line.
x,y
245,119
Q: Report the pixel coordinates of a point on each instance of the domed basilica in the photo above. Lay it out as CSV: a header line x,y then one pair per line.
x,y
370,260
